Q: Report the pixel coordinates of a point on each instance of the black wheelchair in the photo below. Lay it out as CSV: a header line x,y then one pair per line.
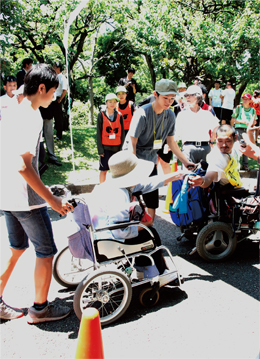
x,y
231,216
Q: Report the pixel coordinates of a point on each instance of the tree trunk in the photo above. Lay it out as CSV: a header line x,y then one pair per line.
x,y
151,68
239,93
91,101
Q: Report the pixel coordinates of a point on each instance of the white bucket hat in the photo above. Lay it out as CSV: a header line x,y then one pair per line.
x,y
127,170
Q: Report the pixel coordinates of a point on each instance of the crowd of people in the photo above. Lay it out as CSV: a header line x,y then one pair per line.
x,y
132,139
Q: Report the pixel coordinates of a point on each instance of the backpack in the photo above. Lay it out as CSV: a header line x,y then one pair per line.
x,y
196,203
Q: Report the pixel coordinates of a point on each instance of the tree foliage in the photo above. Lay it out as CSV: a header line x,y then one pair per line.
x,y
179,39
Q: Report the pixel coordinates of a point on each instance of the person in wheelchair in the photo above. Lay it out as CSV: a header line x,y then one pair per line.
x,y
111,201
223,170
223,162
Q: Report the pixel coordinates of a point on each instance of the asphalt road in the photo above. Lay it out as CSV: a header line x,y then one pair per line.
x,y
215,314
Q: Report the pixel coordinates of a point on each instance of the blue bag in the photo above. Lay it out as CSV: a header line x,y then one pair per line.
x,y
187,207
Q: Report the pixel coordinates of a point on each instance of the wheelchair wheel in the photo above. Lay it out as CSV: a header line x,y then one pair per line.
x,y
68,270
216,242
109,291
146,299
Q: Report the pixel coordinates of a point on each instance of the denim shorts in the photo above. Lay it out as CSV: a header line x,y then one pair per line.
x,y
36,226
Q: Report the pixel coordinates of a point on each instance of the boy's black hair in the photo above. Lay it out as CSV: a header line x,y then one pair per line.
x,y
27,61
256,93
217,82
131,70
58,64
9,79
37,75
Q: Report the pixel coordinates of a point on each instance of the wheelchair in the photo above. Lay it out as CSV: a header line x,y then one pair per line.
x,y
232,215
105,271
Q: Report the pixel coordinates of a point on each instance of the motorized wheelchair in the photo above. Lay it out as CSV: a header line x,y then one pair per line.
x,y
104,271
231,215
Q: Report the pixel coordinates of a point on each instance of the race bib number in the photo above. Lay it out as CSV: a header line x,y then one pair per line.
x,y
232,174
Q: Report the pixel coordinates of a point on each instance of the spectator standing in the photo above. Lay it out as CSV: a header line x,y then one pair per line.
x,y
47,115
180,97
126,108
256,105
8,100
205,106
241,117
151,125
57,104
110,133
228,96
25,210
27,64
130,84
215,100
195,127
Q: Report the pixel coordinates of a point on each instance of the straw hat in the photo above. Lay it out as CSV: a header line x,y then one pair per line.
x,y
127,170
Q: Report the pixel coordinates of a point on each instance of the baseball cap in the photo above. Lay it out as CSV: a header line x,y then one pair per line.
x,y
18,91
194,89
181,85
247,95
166,87
121,89
111,96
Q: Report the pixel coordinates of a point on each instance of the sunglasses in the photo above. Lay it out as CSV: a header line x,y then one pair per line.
x,y
188,95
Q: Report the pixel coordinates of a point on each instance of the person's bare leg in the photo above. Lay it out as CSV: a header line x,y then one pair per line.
x,y
151,212
42,278
15,255
166,167
102,176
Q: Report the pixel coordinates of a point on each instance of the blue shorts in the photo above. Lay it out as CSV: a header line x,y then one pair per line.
x,y
36,226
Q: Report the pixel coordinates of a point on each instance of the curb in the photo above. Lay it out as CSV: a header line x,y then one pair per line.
x,y
89,185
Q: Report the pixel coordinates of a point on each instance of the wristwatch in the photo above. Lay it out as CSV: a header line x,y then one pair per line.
x,y
212,143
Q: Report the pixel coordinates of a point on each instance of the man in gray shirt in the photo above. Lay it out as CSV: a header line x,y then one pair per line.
x,y
150,127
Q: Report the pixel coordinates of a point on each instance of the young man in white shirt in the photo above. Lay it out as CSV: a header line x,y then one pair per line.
x,y
25,209
8,100
228,96
215,100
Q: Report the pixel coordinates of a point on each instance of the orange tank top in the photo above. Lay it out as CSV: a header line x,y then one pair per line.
x,y
127,115
111,131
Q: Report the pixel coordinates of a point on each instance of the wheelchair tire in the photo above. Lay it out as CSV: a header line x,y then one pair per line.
x,y
69,271
216,242
146,299
109,291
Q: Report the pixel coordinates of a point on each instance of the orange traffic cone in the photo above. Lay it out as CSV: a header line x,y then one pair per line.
x,y
169,190
90,345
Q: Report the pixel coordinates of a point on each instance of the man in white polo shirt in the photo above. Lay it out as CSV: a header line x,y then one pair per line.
x,y
195,127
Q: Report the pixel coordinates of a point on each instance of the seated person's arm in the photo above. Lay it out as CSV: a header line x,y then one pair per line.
x,y
204,181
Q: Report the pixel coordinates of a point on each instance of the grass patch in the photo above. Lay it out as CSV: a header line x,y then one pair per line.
x,y
85,155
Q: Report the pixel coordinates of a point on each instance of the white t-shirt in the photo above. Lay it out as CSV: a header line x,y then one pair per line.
x,y
218,161
19,135
63,85
229,96
7,103
215,96
194,126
